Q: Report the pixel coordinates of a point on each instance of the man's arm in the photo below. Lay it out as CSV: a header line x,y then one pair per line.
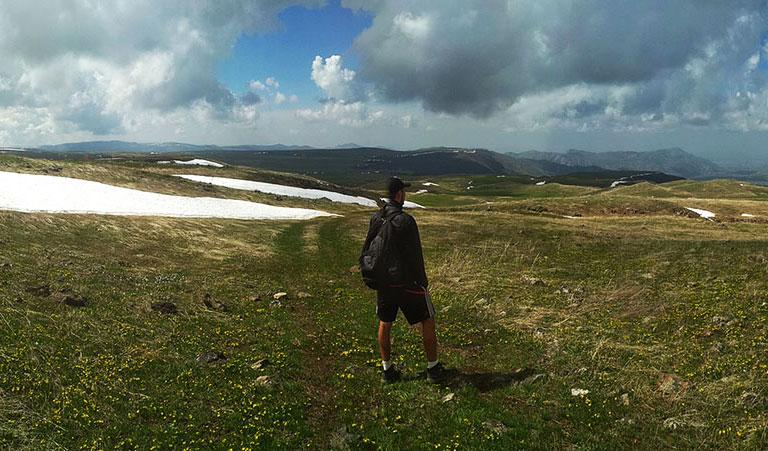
x,y
413,253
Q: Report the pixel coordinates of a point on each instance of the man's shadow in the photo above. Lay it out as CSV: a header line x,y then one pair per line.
x,y
484,382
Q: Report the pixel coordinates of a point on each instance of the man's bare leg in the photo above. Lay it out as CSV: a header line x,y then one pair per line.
x,y
428,338
384,340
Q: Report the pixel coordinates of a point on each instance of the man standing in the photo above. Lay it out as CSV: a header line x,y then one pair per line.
x,y
406,288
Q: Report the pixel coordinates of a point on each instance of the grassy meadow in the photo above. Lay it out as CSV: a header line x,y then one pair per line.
x,y
579,318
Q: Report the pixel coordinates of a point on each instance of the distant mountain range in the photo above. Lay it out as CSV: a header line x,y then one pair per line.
x,y
353,160
134,147
671,161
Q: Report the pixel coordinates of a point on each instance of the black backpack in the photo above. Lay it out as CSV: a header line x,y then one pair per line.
x,y
375,258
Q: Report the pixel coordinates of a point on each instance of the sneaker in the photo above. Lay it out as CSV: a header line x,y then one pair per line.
x,y
437,373
391,375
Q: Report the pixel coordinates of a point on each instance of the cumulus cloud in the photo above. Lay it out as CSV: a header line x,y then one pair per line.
x,y
96,68
480,57
338,83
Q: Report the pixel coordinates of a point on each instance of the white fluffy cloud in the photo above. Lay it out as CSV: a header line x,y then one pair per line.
x,y
101,68
338,83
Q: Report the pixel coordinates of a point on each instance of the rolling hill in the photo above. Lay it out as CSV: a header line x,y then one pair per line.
x,y
671,161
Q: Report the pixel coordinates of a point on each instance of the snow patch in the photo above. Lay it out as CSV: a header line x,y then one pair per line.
x,y
747,215
618,182
541,183
703,213
421,191
430,184
283,190
43,193
195,162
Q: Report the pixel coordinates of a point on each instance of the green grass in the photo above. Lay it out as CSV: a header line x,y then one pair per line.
x,y
606,302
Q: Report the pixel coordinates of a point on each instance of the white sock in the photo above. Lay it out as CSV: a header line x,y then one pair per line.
x,y
430,365
386,364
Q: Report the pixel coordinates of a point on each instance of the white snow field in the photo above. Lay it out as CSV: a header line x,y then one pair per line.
x,y
703,213
283,190
43,193
195,162
747,215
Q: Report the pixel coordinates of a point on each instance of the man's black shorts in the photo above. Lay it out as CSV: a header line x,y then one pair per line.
x,y
412,300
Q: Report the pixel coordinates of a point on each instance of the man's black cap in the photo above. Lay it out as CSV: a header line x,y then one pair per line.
x,y
395,184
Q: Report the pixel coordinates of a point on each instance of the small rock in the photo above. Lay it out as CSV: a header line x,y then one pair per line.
x,y
280,295
495,426
533,280
488,331
255,298
707,332
579,392
647,276
71,300
275,303
647,320
210,357
354,269
168,308
264,381
303,295
533,378
717,347
751,399
447,398
259,364
624,399
673,423
672,384
43,290
343,438
720,321
213,304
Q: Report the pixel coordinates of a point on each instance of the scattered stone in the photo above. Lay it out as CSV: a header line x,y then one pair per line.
x,y
264,381
213,304
533,280
43,290
54,169
673,423
579,392
259,364
275,303
280,295
495,426
751,399
488,331
71,300
672,384
624,399
210,357
533,378
628,421
343,438
720,321
168,308
303,295
354,269
647,276
447,398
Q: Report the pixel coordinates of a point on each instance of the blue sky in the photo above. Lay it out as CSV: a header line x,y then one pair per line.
x,y
286,53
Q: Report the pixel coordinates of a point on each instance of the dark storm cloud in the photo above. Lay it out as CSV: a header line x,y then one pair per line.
x,y
479,56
